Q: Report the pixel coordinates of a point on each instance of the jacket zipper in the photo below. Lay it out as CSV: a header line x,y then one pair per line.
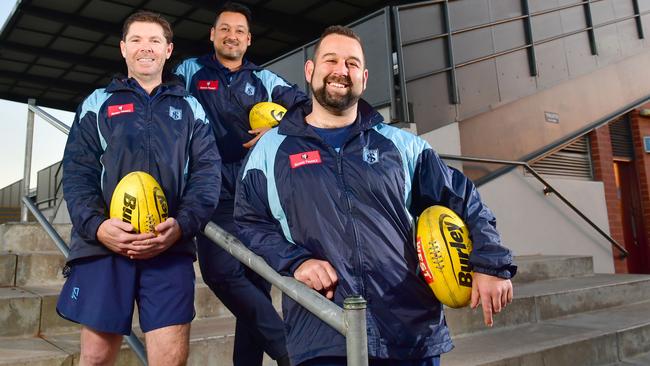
x,y
359,264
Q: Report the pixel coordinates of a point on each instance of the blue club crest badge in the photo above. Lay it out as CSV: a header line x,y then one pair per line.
x,y
370,156
249,89
175,114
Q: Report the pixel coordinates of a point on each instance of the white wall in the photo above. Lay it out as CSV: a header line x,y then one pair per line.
x,y
532,223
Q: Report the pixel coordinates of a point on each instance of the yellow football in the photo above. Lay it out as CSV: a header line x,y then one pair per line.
x,y
266,114
444,247
139,200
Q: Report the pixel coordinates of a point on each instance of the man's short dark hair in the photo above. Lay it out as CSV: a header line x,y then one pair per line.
x,y
148,17
235,8
342,31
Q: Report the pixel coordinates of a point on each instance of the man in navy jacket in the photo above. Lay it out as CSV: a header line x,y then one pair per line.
x,y
137,123
228,86
329,197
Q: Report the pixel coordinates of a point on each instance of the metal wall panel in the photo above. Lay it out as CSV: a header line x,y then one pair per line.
x,y
424,57
473,45
546,26
478,87
628,38
623,8
573,19
578,54
644,5
504,9
551,63
465,14
609,49
514,76
508,35
429,98
428,18
603,11
539,5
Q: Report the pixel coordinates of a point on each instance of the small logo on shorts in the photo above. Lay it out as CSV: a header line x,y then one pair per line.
x,y
75,293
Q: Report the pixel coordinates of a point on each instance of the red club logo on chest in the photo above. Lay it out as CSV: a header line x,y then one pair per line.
x,y
304,158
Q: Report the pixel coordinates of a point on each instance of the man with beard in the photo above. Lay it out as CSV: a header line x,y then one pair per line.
x,y
228,86
329,198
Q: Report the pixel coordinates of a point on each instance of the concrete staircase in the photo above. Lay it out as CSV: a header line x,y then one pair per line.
x,y
31,332
562,314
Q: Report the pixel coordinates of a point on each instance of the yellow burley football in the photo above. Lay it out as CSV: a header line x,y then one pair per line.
x,y
139,200
444,247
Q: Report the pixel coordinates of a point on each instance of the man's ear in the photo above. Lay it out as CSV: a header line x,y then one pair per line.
x,y
309,70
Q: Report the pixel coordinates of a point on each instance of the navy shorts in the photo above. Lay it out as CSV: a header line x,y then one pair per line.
x,y
100,292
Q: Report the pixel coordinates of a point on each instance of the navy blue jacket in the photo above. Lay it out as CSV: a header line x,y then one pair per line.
x,y
227,98
121,129
299,198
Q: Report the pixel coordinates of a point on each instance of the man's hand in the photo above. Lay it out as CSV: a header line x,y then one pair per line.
x,y
494,292
118,236
318,275
169,232
258,132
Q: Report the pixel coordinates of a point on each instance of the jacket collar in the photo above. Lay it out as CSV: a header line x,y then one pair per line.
x,y
170,86
211,62
293,123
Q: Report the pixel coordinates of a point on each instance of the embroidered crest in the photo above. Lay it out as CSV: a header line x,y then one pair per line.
x,y
249,89
175,114
370,156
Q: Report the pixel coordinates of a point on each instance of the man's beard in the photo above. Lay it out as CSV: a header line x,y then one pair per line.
x,y
335,103
234,54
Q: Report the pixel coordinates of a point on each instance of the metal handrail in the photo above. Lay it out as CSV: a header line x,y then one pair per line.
x,y
131,339
349,321
548,189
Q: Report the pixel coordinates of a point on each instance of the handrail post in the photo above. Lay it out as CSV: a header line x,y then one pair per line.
x,y
356,338
29,142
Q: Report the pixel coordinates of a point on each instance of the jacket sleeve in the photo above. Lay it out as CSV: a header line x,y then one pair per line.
x,y
82,174
260,230
288,94
434,183
203,177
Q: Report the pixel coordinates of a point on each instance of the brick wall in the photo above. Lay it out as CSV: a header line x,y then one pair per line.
x,y
601,153
640,127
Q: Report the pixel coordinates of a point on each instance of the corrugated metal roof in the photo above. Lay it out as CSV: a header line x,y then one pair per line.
x,y
57,51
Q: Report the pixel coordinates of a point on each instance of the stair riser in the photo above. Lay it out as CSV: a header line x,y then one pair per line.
x,y
39,269
634,341
595,351
19,316
7,269
529,271
557,305
30,237
466,320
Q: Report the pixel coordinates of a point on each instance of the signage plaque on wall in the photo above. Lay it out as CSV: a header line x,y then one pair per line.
x,y
646,144
552,117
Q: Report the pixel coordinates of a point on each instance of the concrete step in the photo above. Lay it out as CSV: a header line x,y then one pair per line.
x,y
42,268
20,312
7,269
548,299
211,343
640,360
31,310
28,237
601,337
544,267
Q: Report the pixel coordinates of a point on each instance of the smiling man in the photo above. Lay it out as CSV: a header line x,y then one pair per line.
x,y
329,198
228,86
137,123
